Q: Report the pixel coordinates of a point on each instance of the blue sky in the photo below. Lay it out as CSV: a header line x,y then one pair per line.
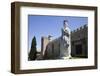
x,y
39,25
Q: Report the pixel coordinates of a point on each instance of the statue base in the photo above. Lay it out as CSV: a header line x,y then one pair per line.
x,y
66,57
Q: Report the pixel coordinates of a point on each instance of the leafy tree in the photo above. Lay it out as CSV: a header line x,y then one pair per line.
x,y
33,51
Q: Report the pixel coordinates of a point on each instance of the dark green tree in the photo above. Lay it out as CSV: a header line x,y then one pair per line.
x,y
33,51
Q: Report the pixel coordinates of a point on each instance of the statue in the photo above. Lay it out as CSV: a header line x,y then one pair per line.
x,y
65,41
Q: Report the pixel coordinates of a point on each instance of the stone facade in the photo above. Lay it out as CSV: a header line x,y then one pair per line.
x,y
79,42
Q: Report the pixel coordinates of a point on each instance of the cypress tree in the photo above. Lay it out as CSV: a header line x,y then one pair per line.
x,y
33,51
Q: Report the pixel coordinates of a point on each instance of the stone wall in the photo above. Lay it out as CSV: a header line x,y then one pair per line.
x,y
52,51
79,42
